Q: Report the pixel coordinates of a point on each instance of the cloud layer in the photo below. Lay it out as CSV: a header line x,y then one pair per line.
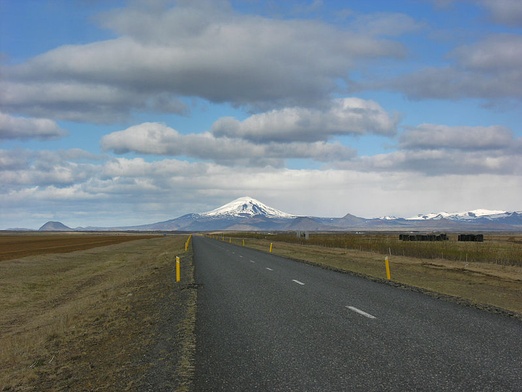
x,y
69,185
489,69
159,139
348,116
193,49
185,105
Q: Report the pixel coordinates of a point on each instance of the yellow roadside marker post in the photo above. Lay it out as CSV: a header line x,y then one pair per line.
x,y
387,263
243,242
178,269
271,247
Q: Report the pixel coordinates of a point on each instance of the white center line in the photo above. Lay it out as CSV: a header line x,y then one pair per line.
x,y
353,308
270,269
296,281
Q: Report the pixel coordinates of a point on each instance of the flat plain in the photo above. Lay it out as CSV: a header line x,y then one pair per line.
x,y
86,311
101,311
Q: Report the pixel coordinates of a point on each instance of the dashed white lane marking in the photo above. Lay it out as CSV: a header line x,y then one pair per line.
x,y
270,269
353,308
240,256
296,281
252,261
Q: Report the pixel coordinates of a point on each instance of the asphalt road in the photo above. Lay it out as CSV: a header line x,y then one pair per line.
x,y
267,323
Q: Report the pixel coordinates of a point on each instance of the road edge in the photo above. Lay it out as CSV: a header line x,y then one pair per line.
x,y
404,286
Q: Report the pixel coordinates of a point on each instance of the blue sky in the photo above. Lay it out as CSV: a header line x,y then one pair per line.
x,y
128,112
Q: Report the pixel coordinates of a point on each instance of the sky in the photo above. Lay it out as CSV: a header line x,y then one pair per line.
x,y
116,113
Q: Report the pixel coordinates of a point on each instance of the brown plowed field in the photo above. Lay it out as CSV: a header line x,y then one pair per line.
x,y
15,246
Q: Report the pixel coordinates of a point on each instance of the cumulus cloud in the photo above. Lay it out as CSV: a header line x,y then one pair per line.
x,y
21,168
83,101
386,24
193,49
12,127
159,139
498,53
489,69
440,163
438,150
169,188
435,136
346,116
508,12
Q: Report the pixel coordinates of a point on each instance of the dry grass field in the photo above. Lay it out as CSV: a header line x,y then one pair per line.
x,y
101,311
487,274
86,319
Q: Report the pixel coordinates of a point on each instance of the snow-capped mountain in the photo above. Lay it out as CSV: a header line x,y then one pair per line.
x,y
464,216
388,217
243,214
248,214
246,207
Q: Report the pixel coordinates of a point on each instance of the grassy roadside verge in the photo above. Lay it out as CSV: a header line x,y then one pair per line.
x,y
105,318
488,286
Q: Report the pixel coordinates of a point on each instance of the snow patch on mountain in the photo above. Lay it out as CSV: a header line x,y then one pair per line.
x,y
463,216
246,207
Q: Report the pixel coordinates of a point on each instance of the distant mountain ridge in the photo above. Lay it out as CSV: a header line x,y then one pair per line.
x,y
249,214
467,215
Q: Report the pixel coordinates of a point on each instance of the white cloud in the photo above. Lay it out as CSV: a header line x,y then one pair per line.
x,y
159,139
21,168
169,188
386,24
508,12
498,53
190,51
83,101
488,70
283,72
346,116
438,150
12,127
440,162
435,136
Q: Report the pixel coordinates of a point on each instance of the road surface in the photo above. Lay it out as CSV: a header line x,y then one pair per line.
x,y
271,324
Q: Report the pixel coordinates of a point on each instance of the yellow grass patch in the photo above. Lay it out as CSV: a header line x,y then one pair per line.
x,y
80,319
